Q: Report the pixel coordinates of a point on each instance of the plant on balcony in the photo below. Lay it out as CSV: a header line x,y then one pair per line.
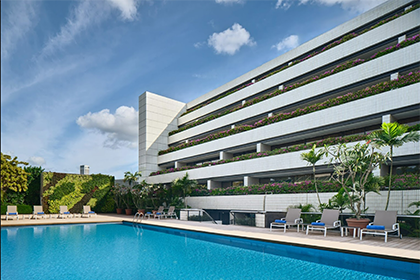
x,y
299,147
353,166
329,46
392,135
337,69
405,80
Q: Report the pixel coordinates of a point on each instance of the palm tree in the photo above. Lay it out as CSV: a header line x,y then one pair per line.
x,y
185,185
313,157
391,135
130,177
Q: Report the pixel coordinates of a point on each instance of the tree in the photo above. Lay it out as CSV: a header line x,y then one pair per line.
x,y
353,168
185,185
13,177
130,177
392,135
313,157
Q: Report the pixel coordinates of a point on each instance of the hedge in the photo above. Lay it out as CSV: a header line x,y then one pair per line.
x,y
74,191
400,182
21,209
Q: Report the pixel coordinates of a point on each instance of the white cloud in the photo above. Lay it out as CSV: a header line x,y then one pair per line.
x,y
230,40
16,22
198,45
120,128
284,4
358,6
85,15
128,8
36,161
230,1
287,43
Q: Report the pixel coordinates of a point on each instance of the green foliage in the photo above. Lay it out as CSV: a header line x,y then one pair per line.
x,y
13,177
76,190
104,205
312,157
392,135
131,177
184,186
21,208
34,185
353,168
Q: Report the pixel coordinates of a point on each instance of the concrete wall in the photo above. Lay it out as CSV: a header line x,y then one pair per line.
x,y
157,116
399,201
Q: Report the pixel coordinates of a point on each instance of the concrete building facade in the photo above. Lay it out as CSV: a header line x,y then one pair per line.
x,y
171,133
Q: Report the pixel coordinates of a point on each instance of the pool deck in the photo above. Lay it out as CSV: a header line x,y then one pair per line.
x,y
407,249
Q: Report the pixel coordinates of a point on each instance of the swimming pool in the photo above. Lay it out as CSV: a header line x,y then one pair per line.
x,y
125,251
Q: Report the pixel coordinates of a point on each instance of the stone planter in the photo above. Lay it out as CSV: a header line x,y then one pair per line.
x,y
129,211
353,222
119,210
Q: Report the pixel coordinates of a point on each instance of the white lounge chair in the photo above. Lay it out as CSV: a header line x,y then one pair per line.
x,y
329,220
159,214
64,212
384,222
171,213
292,219
87,211
38,212
12,212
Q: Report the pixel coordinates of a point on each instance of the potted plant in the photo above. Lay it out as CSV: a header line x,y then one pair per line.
x,y
139,194
126,198
353,166
116,190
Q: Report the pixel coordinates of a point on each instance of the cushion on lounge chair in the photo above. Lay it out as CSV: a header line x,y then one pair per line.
x,y
280,221
66,213
317,224
158,213
149,213
375,227
12,213
40,213
91,212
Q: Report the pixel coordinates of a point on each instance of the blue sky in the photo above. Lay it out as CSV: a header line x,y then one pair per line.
x,y
72,71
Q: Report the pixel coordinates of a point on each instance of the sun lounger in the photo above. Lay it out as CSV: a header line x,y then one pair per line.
x,y
384,222
64,213
171,213
159,214
329,220
292,219
12,212
87,211
38,212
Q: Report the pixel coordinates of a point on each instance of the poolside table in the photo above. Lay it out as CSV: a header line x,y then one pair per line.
x,y
344,230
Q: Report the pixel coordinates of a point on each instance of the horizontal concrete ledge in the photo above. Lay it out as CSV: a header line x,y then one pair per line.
x,y
367,70
377,104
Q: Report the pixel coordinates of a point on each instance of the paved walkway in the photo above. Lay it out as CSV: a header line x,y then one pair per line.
x,y
407,248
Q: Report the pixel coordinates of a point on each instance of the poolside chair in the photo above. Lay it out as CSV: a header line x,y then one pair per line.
x,y
384,222
87,211
171,213
64,212
159,214
38,212
329,220
12,212
292,219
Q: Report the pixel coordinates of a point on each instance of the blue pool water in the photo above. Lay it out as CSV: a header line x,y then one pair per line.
x,y
124,251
